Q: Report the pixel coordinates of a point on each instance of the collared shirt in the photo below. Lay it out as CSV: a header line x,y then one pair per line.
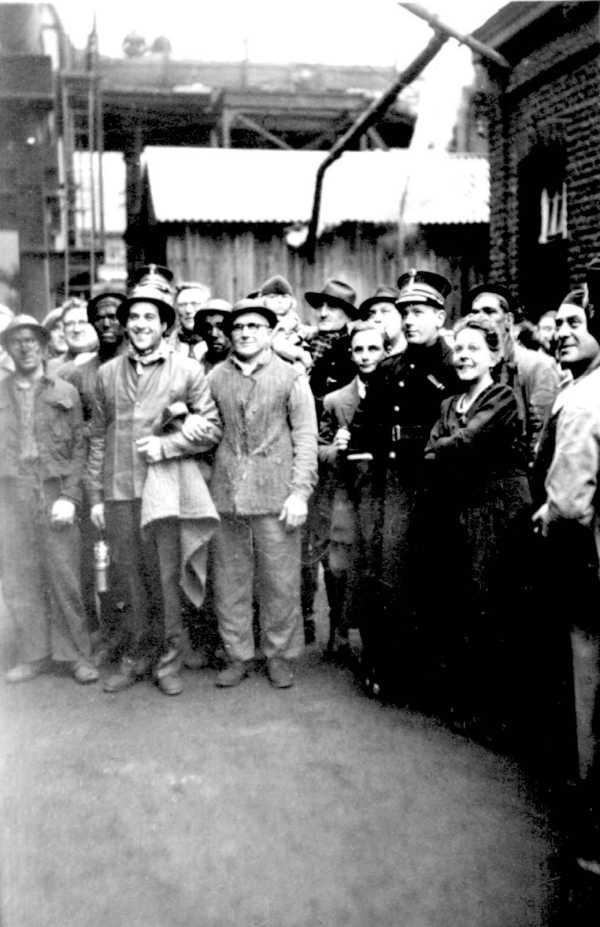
x,y
248,367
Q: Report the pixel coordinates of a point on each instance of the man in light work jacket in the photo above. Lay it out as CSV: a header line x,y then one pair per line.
x,y
264,472
132,392
569,519
41,464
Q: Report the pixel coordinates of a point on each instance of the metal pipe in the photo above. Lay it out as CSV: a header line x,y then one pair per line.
x,y
474,44
364,122
91,137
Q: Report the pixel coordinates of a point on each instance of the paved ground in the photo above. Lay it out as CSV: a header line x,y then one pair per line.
x,y
312,807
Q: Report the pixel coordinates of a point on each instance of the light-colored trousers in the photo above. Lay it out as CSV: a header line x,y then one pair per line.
x,y
257,553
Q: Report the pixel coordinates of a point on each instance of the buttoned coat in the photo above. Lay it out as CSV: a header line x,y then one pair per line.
x,y
58,430
269,446
125,410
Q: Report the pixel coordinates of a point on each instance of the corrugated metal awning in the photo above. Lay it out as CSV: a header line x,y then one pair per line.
x,y
261,185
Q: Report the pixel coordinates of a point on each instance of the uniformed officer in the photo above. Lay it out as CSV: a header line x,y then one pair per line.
x,y
402,403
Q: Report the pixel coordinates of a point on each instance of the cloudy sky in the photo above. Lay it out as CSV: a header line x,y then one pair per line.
x,y
376,32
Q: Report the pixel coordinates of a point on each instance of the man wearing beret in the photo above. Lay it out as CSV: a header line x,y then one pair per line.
x,y
40,489
264,472
132,391
533,375
401,405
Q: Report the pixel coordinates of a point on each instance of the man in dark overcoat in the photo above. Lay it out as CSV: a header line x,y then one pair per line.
x,y
401,405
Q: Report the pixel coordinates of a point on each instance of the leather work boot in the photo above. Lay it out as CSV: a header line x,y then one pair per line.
x,y
232,674
85,673
280,672
166,673
125,676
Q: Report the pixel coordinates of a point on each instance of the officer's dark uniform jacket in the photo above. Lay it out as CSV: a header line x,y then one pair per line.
x,y
58,432
402,404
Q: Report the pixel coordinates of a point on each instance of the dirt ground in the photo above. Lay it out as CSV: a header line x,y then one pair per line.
x,y
298,808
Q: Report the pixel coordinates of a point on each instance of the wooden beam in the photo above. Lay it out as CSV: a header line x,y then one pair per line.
x,y
255,127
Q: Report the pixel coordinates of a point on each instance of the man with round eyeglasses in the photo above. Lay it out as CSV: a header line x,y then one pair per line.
x,y
265,469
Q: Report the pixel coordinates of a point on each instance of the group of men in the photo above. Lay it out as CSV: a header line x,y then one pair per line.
x,y
211,445
253,398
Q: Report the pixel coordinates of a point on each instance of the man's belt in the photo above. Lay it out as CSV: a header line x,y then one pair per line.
x,y
412,433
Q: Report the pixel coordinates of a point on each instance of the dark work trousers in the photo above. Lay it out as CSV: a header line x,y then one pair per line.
x,y
41,578
389,629
148,566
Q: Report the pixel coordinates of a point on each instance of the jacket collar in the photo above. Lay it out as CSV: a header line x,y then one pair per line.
x,y
248,368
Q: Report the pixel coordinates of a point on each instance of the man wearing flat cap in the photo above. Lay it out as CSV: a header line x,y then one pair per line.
x,y
400,407
533,375
264,471
41,465
133,391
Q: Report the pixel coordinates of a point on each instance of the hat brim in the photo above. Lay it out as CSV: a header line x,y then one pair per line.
x,y
202,314
373,300
167,313
420,299
39,329
316,300
108,294
267,314
493,291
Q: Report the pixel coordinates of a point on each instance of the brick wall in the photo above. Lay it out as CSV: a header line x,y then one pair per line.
x,y
552,96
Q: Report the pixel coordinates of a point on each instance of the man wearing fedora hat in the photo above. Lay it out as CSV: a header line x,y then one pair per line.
x,y
40,490
533,375
381,309
335,308
264,472
132,390
401,405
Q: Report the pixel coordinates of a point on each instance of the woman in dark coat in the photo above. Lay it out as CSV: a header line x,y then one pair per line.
x,y
482,506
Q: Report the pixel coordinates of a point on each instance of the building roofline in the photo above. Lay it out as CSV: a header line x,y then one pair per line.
x,y
512,19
